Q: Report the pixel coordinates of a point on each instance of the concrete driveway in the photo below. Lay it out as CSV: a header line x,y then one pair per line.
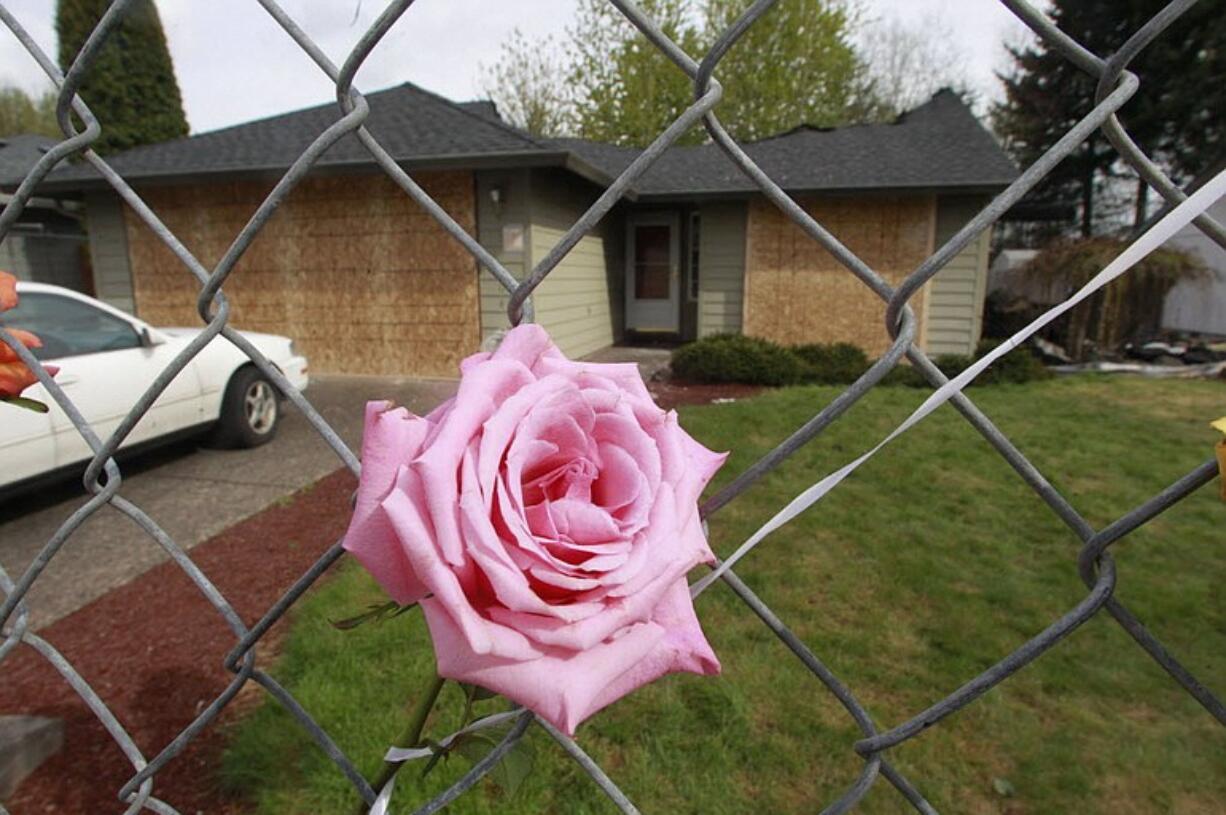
x,y
192,492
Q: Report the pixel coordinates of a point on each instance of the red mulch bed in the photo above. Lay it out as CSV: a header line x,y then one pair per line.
x,y
153,651
673,393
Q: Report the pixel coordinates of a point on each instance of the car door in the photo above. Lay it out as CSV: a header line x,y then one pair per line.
x,y
105,365
27,445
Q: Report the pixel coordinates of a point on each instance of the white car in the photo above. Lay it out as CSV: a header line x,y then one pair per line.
x,y
108,358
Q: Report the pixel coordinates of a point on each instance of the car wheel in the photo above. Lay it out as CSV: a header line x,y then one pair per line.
x,y
250,410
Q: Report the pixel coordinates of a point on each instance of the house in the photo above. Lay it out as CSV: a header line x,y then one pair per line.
x,y
47,243
368,282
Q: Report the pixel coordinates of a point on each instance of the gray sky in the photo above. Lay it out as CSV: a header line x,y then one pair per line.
x,y
235,64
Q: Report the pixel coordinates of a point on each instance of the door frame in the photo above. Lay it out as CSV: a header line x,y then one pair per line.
x,y
650,322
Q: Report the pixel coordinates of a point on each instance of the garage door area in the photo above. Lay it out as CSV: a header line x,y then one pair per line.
x,y
349,266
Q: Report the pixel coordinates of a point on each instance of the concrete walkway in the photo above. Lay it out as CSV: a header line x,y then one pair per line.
x,y
651,360
192,492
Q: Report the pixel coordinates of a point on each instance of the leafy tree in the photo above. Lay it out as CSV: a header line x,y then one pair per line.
x,y
907,64
796,65
1178,116
21,113
626,90
131,87
528,84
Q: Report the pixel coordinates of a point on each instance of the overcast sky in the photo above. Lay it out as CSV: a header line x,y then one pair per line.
x,y
235,64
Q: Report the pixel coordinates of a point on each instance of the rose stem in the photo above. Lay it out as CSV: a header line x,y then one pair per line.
x,y
410,738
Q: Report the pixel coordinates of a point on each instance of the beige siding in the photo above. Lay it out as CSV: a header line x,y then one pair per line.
x,y
956,293
576,302
721,264
108,250
496,222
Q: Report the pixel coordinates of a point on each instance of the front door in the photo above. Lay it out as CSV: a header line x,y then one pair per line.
x,y
653,275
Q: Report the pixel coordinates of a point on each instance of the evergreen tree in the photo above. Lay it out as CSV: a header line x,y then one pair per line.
x,y
1178,116
131,86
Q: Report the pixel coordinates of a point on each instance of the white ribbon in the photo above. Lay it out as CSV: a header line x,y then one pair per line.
x,y
1175,220
402,754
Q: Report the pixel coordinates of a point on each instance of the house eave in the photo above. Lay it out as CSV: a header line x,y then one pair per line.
x,y
743,193
473,161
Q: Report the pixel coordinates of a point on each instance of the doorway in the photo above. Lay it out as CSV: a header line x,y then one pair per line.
x,y
653,272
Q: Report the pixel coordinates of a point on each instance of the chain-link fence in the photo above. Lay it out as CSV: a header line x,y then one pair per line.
x,y
104,481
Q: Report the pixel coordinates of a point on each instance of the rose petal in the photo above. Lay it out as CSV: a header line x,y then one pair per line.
x,y
472,361
619,482
508,581
611,428
560,686
526,344
588,632
501,428
626,375
564,420
480,636
563,581
701,466
684,648
391,439
583,522
485,387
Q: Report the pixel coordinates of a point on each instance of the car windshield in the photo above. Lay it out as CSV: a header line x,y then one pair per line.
x,y
69,327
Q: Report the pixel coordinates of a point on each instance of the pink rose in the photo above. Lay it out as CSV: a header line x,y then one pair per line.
x,y
545,518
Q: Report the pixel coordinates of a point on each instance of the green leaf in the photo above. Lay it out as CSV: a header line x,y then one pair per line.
x,y
510,772
476,693
516,765
473,746
28,404
440,752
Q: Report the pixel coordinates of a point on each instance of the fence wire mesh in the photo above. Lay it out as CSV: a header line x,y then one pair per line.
x,y
103,479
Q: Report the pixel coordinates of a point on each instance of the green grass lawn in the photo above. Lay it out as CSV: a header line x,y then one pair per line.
x,y
929,564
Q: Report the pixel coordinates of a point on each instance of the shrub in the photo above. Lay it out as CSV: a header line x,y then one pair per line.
x,y
952,364
905,376
839,363
1019,365
737,358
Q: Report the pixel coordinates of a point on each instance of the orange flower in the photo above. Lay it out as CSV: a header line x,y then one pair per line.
x,y
14,375
8,291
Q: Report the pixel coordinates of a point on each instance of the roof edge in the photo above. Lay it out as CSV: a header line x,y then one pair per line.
x,y
706,195
471,161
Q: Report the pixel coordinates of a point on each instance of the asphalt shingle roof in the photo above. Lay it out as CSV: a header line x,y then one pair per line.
x,y
409,122
18,153
937,145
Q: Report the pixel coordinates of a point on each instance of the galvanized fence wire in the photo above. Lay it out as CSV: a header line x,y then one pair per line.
x,y
103,478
